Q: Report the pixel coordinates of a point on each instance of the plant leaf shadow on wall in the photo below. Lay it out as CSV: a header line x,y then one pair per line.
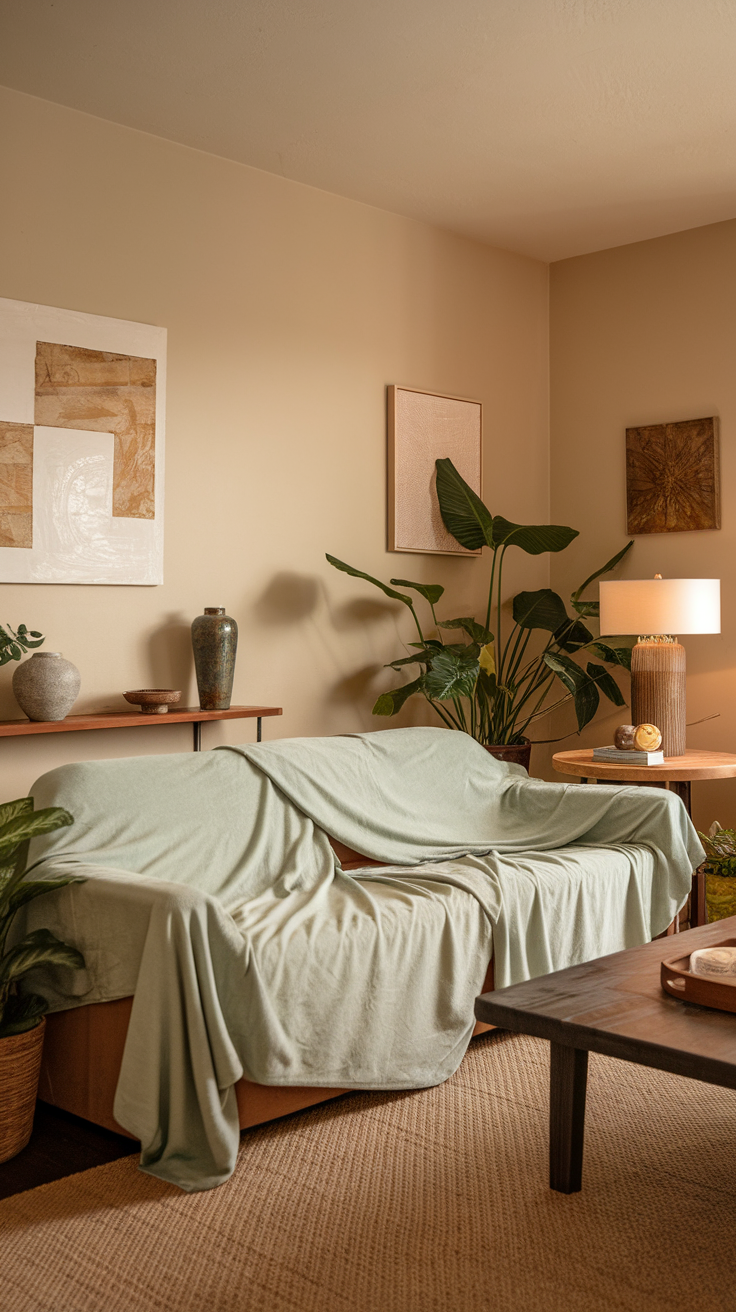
x,y
287,599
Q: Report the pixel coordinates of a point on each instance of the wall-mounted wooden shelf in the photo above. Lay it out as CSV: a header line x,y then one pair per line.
x,y
137,720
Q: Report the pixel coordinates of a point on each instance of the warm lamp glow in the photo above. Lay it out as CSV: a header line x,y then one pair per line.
x,y
660,606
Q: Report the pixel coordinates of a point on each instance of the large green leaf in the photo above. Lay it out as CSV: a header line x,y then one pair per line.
x,y
614,655
22,1011
586,703
591,608
478,632
573,636
577,682
422,657
15,836
358,574
487,659
532,538
13,862
32,888
10,810
606,683
452,674
31,824
463,513
430,591
391,702
543,609
40,948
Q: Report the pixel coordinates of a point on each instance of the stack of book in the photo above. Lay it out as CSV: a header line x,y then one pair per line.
x,y
616,756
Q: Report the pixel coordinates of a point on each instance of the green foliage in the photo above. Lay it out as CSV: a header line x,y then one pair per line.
x,y
19,823
13,645
719,843
487,686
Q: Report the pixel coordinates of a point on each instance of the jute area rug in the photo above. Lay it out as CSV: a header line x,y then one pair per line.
x,y
419,1202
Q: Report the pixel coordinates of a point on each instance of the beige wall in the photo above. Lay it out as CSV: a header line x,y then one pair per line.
x,y
288,311
642,334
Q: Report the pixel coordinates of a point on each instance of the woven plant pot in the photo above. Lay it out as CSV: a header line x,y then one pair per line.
x,y
720,887
20,1066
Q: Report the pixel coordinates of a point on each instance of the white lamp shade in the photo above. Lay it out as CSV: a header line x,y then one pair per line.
x,y
654,606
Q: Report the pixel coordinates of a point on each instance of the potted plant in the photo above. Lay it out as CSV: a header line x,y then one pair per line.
x,y
720,871
22,1020
13,644
489,685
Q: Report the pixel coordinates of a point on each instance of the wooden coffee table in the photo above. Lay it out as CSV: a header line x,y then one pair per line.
x,y
614,1005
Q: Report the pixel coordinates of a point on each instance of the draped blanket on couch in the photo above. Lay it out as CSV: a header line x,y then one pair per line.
x,y
212,894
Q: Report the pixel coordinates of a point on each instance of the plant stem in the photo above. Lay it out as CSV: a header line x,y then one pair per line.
x,y
490,590
534,687
540,709
444,715
460,712
419,627
499,672
436,625
515,660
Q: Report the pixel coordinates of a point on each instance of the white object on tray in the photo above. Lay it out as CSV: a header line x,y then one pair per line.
x,y
713,961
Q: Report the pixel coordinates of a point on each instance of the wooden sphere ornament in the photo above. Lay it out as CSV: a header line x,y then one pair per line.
x,y
637,738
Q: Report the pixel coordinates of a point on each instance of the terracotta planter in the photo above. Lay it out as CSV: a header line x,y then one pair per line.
x,y
514,753
20,1066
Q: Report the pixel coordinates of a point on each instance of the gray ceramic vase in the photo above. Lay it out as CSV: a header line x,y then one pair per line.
x,y
214,642
46,686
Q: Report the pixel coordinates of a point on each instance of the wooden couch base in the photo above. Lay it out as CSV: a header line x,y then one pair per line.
x,y
83,1051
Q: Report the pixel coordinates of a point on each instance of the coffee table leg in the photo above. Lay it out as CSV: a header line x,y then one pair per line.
x,y
567,1085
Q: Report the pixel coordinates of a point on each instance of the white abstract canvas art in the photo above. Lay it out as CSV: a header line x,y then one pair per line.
x,y
82,413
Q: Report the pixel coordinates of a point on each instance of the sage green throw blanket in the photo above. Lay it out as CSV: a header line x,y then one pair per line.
x,y
213,895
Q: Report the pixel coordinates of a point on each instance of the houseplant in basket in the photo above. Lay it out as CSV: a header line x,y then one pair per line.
x,y
488,684
720,871
22,1020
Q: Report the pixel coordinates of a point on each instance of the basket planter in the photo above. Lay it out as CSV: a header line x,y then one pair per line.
x,y
720,887
20,1066
513,753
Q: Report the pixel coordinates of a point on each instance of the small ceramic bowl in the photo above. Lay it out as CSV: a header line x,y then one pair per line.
x,y
153,701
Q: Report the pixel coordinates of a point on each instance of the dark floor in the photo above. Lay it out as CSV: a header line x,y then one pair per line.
x,y
61,1144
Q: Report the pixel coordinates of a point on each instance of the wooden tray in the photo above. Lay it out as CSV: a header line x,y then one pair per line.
x,y
679,981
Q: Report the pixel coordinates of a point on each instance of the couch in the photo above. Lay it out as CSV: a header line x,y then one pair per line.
x,y
241,964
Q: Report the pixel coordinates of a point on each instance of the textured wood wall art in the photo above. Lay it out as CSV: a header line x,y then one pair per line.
x,y
673,477
81,447
16,485
101,391
424,427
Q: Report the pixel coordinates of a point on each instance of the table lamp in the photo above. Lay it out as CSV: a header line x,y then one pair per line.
x,y
657,609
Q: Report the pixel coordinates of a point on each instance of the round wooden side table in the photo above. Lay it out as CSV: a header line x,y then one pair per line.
x,y
677,773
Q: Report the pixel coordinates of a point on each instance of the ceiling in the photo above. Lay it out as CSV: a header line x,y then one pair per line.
x,y
548,127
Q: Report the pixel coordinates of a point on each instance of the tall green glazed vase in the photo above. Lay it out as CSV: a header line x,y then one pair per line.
x,y
214,642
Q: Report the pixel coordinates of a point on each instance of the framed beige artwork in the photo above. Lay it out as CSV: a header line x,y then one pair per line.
x,y
424,427
82,402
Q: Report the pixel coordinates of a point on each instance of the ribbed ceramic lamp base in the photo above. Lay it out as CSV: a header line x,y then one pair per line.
x,y
658,691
